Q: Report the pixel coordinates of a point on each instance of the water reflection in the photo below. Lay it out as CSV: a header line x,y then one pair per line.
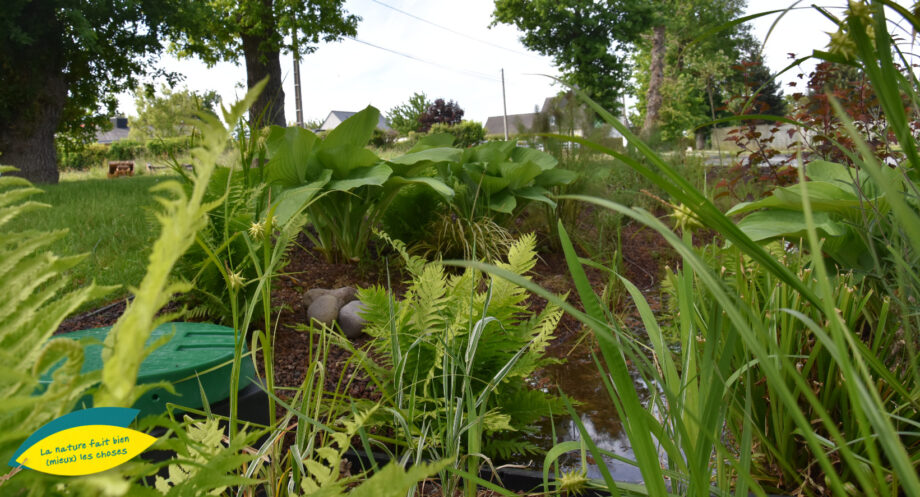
x,y
580,379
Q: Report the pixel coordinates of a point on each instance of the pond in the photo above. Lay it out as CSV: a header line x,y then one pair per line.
x,y
580,379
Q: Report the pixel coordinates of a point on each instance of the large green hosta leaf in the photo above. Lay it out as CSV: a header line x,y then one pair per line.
x,y
290,150
365,176
838,198
354,132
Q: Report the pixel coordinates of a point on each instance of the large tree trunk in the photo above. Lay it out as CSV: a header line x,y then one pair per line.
x,y
28,143
656,75
269,107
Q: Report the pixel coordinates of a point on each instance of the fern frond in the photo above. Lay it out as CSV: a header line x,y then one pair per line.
x,y
506,449
428,298
31,309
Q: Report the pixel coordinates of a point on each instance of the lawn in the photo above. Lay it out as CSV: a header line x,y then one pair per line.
x,y
109,220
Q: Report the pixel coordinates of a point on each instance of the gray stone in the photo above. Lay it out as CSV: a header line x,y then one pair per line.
x,y
350,321
312,294
346,294
324,309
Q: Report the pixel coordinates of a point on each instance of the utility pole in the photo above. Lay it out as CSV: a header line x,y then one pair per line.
x,y
504,105
297,102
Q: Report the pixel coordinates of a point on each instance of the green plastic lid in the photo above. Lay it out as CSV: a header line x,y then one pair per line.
x,y
197,352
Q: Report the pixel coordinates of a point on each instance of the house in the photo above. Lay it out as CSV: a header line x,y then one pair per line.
x,y
517,123
337,116
118,132
558,115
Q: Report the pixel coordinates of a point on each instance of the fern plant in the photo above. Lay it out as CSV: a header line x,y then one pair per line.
x,y
456,353
31,309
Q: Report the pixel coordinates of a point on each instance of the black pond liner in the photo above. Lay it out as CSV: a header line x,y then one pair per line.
x,y
513,479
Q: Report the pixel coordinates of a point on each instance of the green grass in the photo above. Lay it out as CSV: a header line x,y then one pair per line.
x,y
108,219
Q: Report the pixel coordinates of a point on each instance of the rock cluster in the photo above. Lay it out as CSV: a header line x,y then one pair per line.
x,y
340,305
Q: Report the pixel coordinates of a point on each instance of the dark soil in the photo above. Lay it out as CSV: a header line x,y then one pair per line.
x,y
645,254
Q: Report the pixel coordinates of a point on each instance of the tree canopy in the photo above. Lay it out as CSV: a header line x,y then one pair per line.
x,y
699,67
171,114
62,62
404,117
587,39
440,112
260,30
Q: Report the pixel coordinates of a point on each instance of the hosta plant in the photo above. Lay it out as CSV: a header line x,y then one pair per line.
x,y
845,202
353,186
497,179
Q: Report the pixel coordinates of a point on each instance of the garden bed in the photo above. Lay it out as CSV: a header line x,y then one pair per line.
x,y
647,253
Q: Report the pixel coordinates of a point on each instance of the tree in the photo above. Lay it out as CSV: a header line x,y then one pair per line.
x,y
404,118
587,39
682,72
261,30
170,115
62,62
755,76
440,112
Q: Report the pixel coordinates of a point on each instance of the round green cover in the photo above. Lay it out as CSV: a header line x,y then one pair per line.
x,y
196,352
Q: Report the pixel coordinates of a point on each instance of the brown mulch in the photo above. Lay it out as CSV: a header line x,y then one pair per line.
x,y
645,253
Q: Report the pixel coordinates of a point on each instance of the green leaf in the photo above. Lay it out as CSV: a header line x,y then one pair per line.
x,y
435,184
489,153
343,160
823,196
554,177
394,481
504,202
766,225
489,184
376,176
289,151
822,170
542,159
293,200
439,154
537,194
354,132
436,140
519,175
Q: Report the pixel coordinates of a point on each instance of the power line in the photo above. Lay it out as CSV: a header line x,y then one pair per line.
x,y
459,33
474,74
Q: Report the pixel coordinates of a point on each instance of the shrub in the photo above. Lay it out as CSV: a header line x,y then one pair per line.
x,y
466,134
384,139
165,147
91,155
125,150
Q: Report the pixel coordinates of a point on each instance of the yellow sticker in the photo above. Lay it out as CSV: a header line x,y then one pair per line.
x,y
84,450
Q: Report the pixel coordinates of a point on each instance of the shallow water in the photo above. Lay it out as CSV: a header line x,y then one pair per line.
x,y
580,379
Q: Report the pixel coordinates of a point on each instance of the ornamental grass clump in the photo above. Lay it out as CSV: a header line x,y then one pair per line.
x,y
792,375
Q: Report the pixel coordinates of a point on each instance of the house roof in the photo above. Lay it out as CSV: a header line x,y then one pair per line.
x,y
113,135
118,132
337,116
517,123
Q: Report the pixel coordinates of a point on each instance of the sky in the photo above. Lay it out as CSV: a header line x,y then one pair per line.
x,y
446,49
